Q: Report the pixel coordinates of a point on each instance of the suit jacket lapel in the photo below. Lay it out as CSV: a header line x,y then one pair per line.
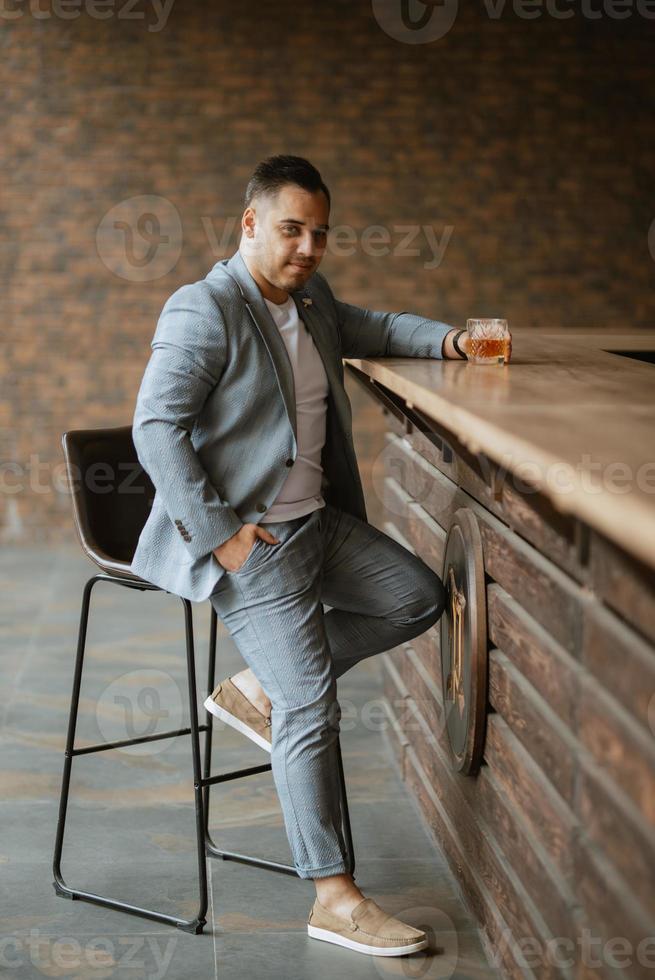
x,y
269,333
312,320
267,327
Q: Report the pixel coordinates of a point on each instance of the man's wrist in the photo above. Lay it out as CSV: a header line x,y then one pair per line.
x,y
458,340
448,349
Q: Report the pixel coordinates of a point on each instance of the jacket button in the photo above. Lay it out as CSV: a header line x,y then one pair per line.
x,y
187,537
289,462
178,521
261,508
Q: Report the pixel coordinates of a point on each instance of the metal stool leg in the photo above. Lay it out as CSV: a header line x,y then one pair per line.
x,y
196,924
59,884
197,770
211,684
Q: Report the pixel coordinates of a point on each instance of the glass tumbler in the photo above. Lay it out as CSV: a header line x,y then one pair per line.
x,y
489,341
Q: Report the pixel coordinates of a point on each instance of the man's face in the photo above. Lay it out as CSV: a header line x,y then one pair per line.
x,y
286,235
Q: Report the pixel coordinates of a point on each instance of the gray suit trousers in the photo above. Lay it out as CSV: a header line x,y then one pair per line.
x,y
379,595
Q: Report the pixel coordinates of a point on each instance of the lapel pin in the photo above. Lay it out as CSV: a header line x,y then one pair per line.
x,y
306,301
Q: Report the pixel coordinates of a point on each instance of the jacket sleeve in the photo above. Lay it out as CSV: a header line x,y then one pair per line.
x,y
365,333
187,359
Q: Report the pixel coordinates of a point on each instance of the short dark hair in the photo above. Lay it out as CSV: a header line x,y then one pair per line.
x,y
274,172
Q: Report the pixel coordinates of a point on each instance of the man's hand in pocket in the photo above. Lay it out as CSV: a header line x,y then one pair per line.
x,y
233,553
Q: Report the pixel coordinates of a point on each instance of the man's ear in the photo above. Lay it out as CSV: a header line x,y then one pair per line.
x,y
248,219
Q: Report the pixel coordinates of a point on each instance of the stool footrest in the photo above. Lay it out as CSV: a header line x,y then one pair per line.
x,y
235,774
136,740
247,859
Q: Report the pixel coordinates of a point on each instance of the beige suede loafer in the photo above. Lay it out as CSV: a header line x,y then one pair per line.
x,y
229,704
368,930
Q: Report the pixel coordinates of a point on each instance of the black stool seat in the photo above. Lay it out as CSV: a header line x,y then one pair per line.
x,y
111,493
112,496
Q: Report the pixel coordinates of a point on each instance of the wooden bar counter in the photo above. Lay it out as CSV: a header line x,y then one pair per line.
x,y
542,474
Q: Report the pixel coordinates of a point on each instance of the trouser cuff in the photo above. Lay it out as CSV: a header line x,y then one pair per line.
x,y
324,872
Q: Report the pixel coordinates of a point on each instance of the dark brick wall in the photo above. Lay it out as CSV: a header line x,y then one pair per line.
x,y
528,143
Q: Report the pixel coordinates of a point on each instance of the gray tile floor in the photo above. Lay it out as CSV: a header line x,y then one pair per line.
x,y
130,832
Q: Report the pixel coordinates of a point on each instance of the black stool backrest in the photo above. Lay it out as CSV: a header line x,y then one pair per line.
x,y
111,492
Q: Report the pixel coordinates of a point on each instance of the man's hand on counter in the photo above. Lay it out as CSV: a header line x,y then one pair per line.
x,y
464,342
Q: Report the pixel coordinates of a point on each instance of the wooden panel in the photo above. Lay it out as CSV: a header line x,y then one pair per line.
x,y
534,653
622,661
495,932
558,536
415,525
556,834
526,788
544,591
541,781
488,878
625,584
550,597
538,729
426,700
610,908
489,808
531,793
616,827
611,734
618,745
426,650
392,422
451,463
487,798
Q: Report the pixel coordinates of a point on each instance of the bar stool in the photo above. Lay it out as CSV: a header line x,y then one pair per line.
x,y
108,525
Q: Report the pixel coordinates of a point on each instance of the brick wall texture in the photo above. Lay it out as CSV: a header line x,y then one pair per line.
x,y
512,158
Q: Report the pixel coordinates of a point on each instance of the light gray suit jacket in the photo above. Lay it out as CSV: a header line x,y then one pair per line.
x,y
215,422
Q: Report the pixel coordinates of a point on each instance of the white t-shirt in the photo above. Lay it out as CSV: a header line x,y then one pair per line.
x,y
301,491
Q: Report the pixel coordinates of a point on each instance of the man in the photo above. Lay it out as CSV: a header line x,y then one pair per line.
x,y
244,426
